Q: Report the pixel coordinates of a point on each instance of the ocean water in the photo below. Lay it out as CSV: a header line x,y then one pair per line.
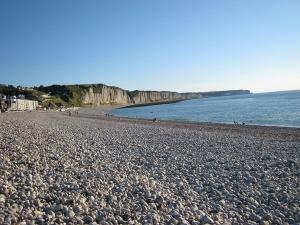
x,y
271,109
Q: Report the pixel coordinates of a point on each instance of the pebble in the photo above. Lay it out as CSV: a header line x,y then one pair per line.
x,y
207,220
2,198
58,169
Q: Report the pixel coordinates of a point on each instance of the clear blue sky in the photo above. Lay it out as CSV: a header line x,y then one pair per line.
x,y
152,44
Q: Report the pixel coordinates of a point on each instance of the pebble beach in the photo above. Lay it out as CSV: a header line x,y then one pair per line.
x,y
60,169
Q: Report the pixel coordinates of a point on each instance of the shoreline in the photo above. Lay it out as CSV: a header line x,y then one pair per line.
x,y
197,122
208,123
105,111
251,130
154,103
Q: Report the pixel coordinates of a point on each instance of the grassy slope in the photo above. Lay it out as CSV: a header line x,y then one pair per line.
x,y
69,95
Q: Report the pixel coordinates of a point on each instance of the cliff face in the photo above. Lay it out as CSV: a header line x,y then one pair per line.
x,y
139,97
105,95
114,95
99,94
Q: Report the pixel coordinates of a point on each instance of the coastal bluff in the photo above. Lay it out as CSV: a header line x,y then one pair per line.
x,y
101,94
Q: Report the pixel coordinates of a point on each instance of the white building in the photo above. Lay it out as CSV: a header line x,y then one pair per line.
x,y
23,105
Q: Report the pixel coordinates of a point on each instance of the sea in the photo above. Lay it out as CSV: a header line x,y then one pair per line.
x,y
268,109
